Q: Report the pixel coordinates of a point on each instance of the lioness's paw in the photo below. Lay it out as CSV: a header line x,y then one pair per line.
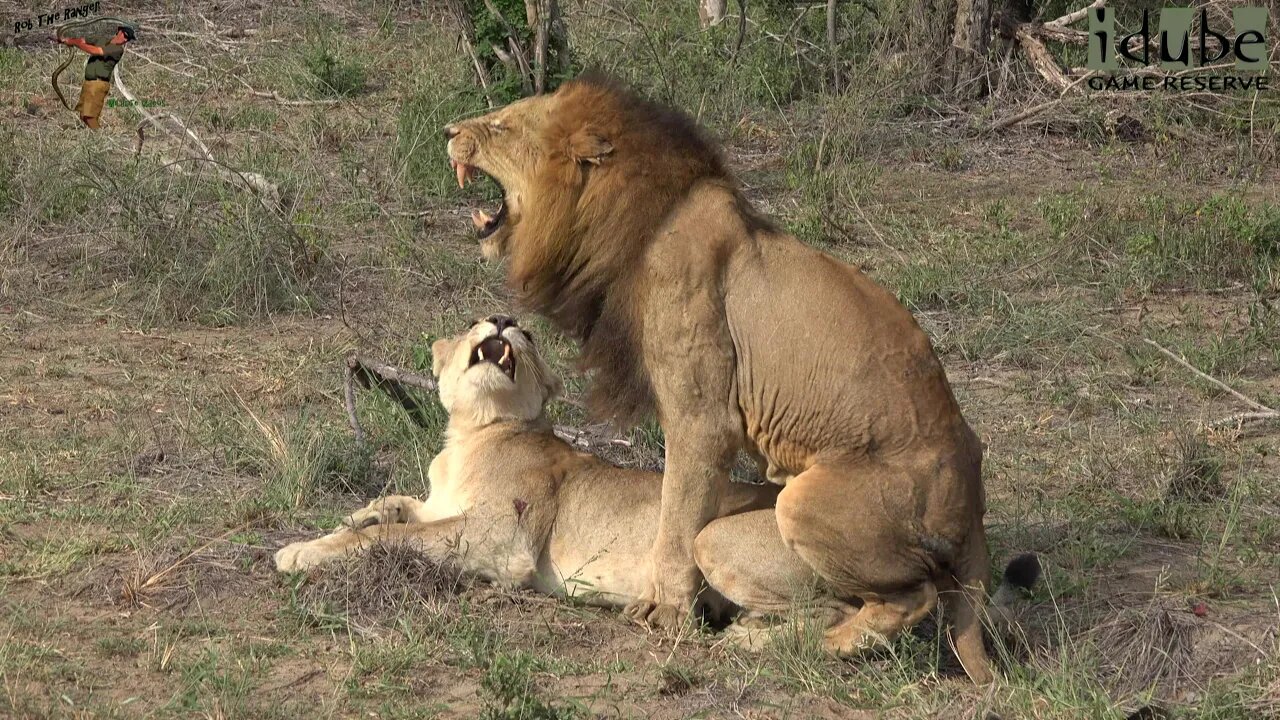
x,y
383,511
300,556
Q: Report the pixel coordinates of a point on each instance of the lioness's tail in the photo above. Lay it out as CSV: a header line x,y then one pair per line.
x,y
964,602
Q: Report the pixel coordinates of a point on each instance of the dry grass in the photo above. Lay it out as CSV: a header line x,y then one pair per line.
x,y
172,355
1149,650
381,584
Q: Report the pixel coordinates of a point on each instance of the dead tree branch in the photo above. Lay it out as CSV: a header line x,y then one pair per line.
x,y
1041,59
518,55
286,101
175,127
467,32
1074,16
1259,411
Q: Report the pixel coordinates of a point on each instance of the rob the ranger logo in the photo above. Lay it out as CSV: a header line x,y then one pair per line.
x,y
1246,48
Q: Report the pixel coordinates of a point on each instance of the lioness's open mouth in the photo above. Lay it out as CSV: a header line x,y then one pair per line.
x,y
485,223
496,350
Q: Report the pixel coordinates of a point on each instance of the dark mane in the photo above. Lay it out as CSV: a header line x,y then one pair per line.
x,y
576,256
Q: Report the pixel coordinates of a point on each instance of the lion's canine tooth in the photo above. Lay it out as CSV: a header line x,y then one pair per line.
x,y
480,218
506,353
479,352
462,171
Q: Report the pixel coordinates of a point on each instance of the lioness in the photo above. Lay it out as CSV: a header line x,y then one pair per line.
x,y
623,225
509,500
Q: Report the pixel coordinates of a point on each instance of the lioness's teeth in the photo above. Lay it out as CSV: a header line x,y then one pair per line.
x,y
463,171
480,218
480,353
506,353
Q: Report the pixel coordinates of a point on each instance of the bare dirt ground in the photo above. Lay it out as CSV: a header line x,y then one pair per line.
x,y
170,397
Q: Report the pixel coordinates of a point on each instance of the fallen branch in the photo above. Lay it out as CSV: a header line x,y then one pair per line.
x,y
1260,411
176,128
1241,419
1075,16
286,101
393,381
1041,59
1024,115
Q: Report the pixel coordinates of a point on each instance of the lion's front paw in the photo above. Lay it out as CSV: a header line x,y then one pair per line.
x,y
300,556
662,616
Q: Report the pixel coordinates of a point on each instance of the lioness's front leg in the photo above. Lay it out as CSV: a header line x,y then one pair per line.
x,y
692,375
438,540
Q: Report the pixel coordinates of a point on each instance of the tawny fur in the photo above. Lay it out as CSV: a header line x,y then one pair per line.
x,y
629,233
512,503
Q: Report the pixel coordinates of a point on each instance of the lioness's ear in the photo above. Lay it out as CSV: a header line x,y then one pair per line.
x,y
589,145
440,351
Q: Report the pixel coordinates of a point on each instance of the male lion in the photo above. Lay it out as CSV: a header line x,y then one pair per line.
x,y
510,501
623,225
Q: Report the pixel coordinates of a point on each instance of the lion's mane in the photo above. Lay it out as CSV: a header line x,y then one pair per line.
x,y
576,252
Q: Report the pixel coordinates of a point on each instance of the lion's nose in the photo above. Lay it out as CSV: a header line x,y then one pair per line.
x,y
450,132
502,322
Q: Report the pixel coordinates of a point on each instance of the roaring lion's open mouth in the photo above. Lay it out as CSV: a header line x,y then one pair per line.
x,y
485,223
496,350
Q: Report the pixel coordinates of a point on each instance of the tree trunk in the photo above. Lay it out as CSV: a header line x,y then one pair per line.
x,y
559,38
549,40
711,12
832,58
966,62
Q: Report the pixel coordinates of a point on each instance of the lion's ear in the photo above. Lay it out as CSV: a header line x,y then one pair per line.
x,y
588,145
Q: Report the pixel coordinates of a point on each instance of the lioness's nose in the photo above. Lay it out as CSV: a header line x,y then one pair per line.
x,y
450,132
502,322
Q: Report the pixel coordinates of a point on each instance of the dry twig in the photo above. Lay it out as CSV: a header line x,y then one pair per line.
x,y
286,101
1260,411
178,129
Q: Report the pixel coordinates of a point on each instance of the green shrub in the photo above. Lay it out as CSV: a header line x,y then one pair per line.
x,y
333,69
510,693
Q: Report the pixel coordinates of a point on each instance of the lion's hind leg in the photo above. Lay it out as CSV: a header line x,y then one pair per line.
x,y
744,559
857,527
880,620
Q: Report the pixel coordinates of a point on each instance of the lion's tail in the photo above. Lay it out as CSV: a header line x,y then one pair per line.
x,y
965,602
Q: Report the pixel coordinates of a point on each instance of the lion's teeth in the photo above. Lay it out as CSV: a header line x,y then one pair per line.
x,y
480,353
506,353
462,171
480,218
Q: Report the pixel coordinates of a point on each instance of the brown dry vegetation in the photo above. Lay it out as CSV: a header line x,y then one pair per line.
x,y
170,367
